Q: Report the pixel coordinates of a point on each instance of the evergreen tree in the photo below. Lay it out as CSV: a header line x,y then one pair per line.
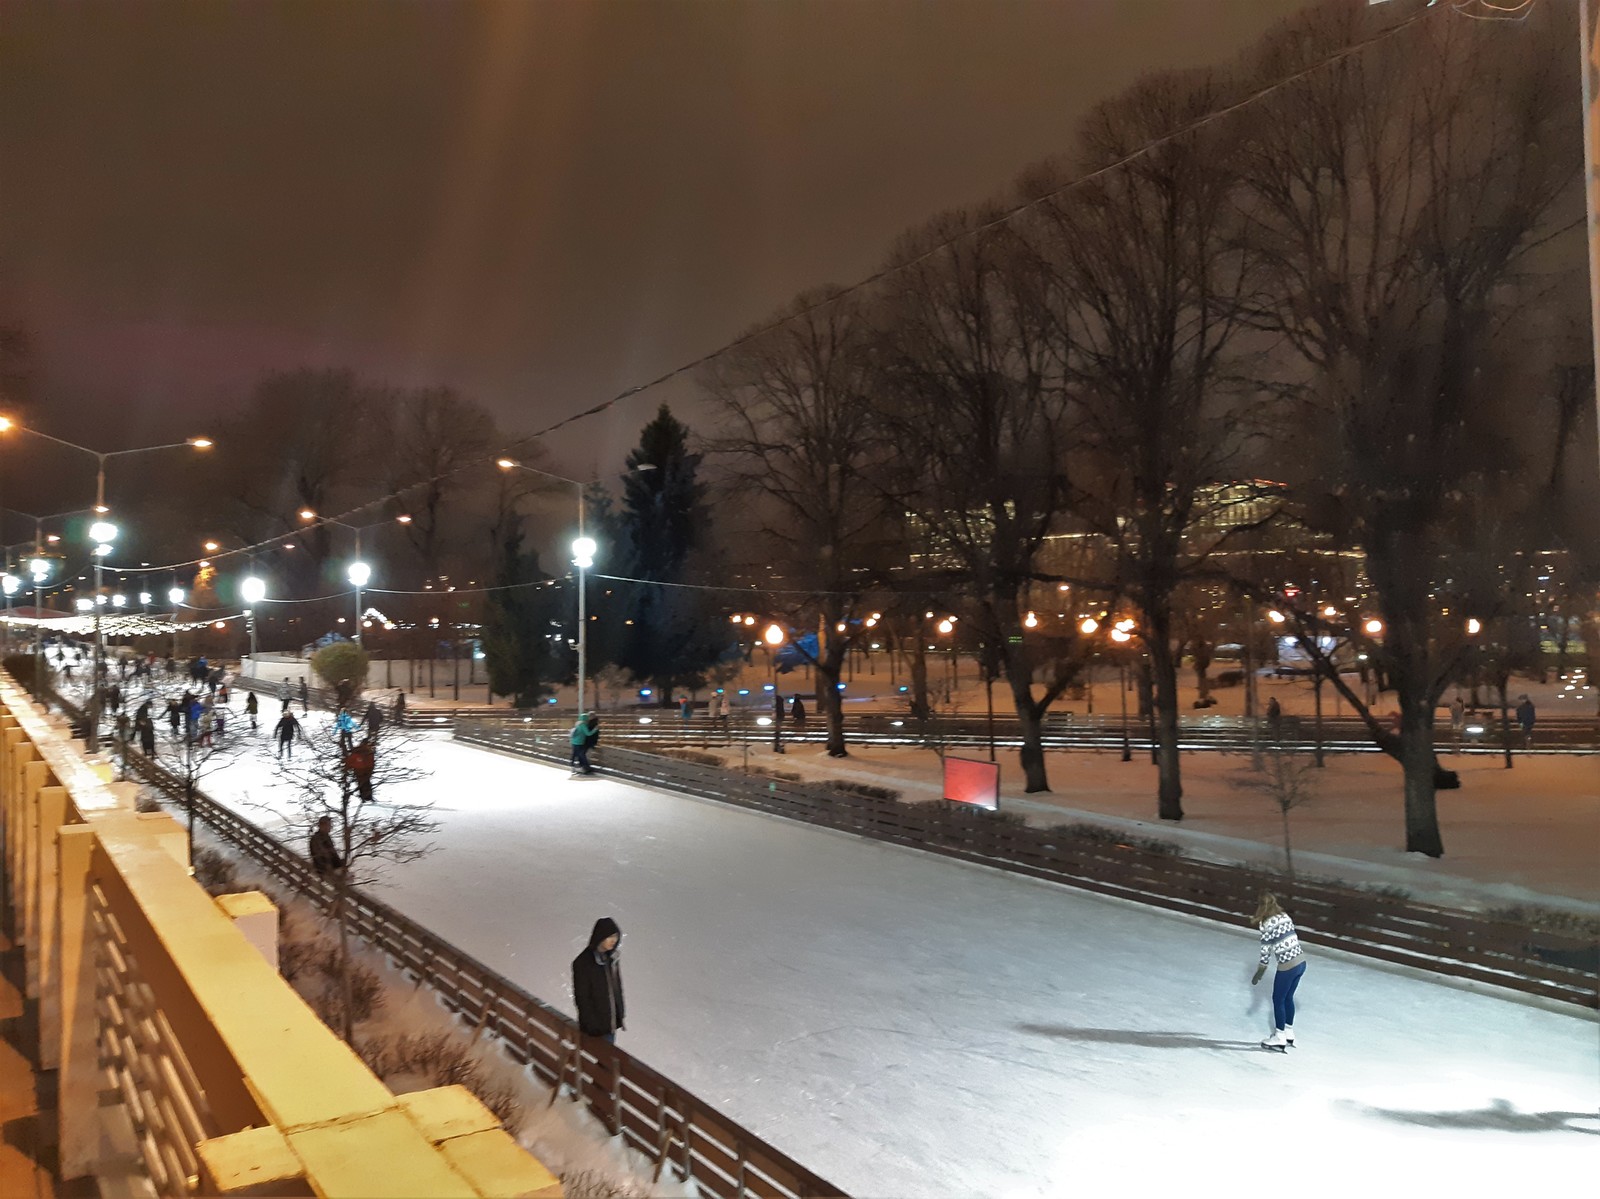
x,y
521,615
676,634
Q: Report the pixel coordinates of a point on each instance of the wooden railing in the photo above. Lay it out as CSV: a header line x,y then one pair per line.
x,y
671,1126
184,1063
1557,963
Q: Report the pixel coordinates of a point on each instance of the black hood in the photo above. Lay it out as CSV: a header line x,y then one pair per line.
x,y
603,928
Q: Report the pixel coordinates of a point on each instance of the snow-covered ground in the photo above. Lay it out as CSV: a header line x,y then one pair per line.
x,y
911,1026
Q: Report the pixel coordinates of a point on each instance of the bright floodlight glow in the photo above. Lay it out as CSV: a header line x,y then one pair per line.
x,y
1474,627
39,568
1125,624
307,514
773,635
211,547
359,573
1088,625
175,596
5,423
145,597
736,619
505,463
252,590
1330,611
404,518
85,605
1121,635
201,443
1275,616
9,582
119,601
583,551
101,550
945,626
749,620
1373,627
102,530
1030,621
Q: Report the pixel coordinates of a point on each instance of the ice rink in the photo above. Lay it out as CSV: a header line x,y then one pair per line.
x,y
907,1025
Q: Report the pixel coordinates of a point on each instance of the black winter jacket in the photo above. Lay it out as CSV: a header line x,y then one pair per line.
x,y
597,984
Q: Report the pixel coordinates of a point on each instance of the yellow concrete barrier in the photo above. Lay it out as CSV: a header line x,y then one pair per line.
x,y
151,991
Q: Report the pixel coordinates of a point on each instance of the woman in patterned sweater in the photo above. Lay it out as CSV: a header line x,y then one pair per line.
x,y
1280,942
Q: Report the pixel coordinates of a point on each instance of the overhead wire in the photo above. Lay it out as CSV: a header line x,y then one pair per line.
x,y
1002,218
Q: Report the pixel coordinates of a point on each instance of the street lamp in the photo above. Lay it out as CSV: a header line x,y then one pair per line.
x,y
103,548
358,574
175,597
252,590
39,568
774,636
1121,633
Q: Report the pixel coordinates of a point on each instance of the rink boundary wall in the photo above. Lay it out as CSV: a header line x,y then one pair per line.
x,y
1546,962
670,1125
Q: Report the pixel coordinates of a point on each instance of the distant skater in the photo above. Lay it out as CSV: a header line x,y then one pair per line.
x,y
1279,941
286,729
1525,715
251,707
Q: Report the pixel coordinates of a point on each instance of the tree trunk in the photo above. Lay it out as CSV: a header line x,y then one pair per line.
x,y
1288,849
831,704
919,679
1164,675
1019,677
346,988
1420,766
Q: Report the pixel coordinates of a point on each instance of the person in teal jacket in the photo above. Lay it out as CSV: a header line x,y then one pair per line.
x,y
584,734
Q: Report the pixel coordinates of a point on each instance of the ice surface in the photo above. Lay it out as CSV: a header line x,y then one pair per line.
x,y
907,1025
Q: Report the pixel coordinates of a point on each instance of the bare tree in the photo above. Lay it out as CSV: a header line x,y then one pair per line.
x,y
433,434
800,433
975,412
1393,194
1151,276
371,825
1290,781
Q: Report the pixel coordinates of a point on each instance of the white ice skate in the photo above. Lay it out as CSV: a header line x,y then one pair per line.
x,y
1277,1041
1288,1034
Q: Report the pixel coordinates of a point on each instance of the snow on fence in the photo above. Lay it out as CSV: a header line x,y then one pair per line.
x,y
1555,963
653,1114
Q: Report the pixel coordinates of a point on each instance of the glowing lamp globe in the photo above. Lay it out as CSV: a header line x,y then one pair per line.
x,y
252,590
359,573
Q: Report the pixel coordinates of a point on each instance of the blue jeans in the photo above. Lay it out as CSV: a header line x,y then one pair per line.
x,y
580,759
1284,983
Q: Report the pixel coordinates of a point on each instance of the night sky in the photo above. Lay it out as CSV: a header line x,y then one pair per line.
x,y
538,203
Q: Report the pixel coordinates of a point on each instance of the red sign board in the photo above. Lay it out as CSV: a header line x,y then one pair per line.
x,y
969,781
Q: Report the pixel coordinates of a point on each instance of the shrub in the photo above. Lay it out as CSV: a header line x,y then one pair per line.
x,y
690,755
868,790
216,873
149,800
342,666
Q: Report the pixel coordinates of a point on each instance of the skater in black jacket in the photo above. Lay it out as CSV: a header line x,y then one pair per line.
x,y
597,983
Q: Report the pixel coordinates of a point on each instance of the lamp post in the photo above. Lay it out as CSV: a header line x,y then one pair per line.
x,y
1121,634
103,545
175,597
774,636
359,574
252,590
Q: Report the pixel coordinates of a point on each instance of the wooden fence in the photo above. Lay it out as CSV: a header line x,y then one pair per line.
x,y
654,1115
1553,962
